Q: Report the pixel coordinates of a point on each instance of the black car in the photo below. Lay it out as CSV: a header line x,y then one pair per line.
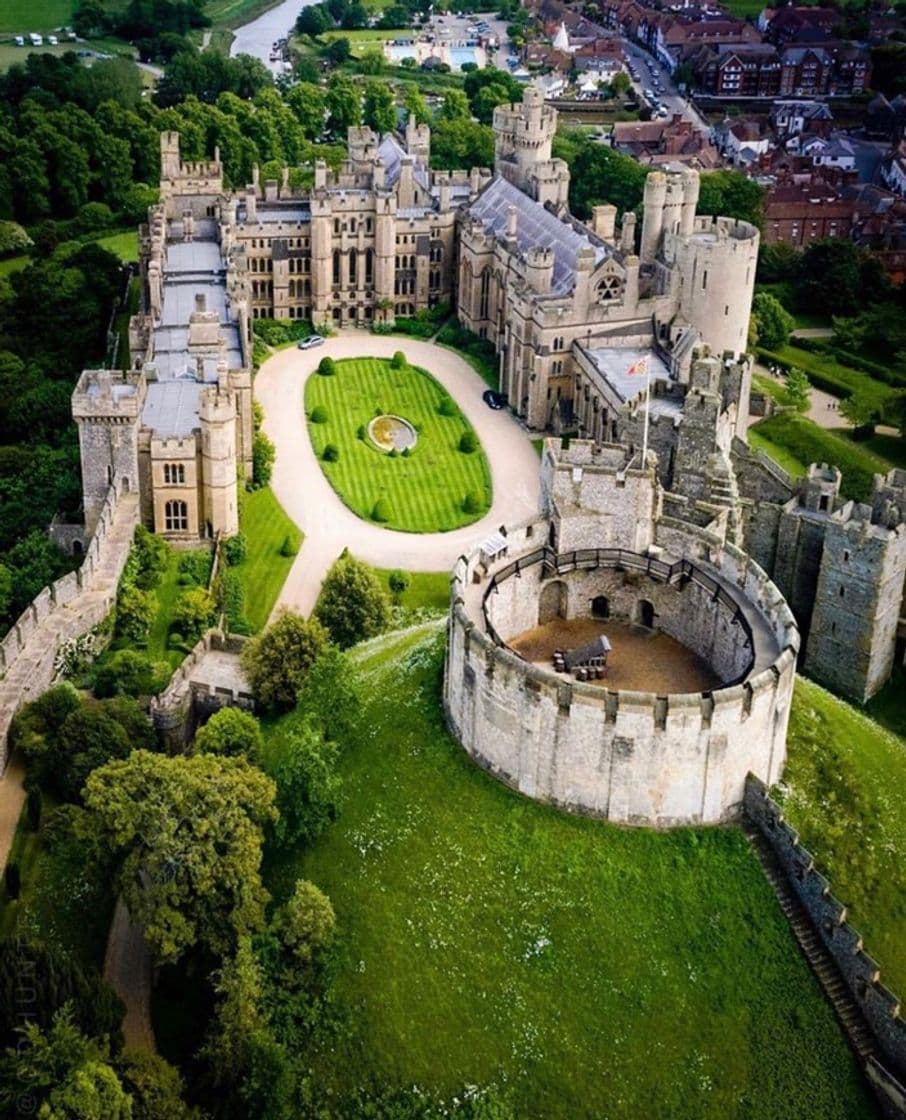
x,y
494,399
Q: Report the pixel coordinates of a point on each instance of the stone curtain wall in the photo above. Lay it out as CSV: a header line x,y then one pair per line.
x,y
65,611
879,1005
632,757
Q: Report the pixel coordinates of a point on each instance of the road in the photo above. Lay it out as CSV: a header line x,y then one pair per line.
x,y
308,498
649,68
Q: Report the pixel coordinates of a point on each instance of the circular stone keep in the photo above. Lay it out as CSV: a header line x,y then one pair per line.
x,y
392,433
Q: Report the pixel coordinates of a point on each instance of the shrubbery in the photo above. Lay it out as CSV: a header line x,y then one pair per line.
x,y
277,660
472,503
318,414
194,612
353,605
478,352
263,455
278,332
235,549
446,406
327,367
232,732
381,511
398,361
331,453
468,442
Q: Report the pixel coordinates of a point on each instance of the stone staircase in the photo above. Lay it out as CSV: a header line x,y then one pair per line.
x,y
858,1033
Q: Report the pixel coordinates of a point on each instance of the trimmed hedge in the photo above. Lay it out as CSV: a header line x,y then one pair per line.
x,y
826,373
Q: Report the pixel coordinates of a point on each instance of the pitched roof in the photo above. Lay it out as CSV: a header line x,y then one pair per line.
x,y
535,227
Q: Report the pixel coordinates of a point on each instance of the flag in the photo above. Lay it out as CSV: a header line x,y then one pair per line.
x,y
640,366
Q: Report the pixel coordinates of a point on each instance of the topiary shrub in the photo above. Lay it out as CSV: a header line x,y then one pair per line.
x,y
398,361
327,367
468,442
381,510
398,582
393,453
361,432
319,414
288,548
472,503
235,550
406,452
447,407
330,454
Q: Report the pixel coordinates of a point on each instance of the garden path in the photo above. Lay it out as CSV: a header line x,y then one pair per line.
x,y
308,498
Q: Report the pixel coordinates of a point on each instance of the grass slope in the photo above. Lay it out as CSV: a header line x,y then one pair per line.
x,y
598,972
424,490
829,374
845,779
264,570
802,441
426,590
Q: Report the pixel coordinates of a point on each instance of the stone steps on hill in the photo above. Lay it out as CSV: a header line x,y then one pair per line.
x,y
855,1027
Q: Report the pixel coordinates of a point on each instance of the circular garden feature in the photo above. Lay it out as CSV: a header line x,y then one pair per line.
x,y
398,457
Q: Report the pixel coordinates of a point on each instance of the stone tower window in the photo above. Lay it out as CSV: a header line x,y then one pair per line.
x,y
842,591
176,517
174,474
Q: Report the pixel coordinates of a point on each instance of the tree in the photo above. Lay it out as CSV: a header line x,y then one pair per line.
x,y
307,103
156,1087
305,923
861,408
398,361
732,194
620,83
798,389
398,583
353,605
455,106
55,979
838,278
183,837
379,107
305,771
231,731
263,455
416,106
329,698
313,21
327,367
194,612
62,1074
461,142
135,613
89,738
599,175
337,52
774,322
468,442
277,660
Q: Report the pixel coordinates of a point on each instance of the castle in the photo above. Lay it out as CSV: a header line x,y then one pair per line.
x,y
574,311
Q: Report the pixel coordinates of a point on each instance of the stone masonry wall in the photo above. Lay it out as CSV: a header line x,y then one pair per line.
x,y
881,1008
66,610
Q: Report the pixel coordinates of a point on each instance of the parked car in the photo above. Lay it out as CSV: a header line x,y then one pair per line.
x,y
308,343
494,399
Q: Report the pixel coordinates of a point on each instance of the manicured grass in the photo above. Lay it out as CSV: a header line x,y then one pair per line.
x,y
805,442
846,777
24,16
264,570
828,374
887,706
124,244
776,390
793,465
890,449
426,590
424,491
594,971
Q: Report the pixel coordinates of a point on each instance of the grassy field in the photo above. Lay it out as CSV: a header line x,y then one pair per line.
x,y
596,971
791,463
264,570
19,16
794,441
124,244
426,590
164,643
845,780
424,491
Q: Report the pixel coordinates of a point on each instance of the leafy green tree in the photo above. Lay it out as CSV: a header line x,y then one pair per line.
x,y
861,408
156,1088
89,738
337,52
135,613
194,612
455,106
183,837
379,107
313,20
732,194
416,106
600,175
398,582
461,143
130,673
277,660
239,983
799,390
307,103
305,771
55,979
329,696
837,278
774,322
620,83
231,731
62,1074
353,604
306,923
263,455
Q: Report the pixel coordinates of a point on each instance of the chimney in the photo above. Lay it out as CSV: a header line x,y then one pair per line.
x,y
201,302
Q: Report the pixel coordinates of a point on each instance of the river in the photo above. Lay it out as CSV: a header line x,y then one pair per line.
x,y
256,38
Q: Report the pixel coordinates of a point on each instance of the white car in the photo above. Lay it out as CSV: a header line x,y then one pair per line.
x,y
308,343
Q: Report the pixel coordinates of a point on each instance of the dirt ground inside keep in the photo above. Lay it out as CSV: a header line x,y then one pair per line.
x,y
640,660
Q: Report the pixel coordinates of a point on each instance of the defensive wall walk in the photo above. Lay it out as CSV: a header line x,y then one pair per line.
x,y
59,614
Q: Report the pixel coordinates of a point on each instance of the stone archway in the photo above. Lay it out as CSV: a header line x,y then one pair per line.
x,y
553,602
600,607
645,614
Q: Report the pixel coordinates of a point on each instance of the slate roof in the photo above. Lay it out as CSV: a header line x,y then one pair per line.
x,y
535,226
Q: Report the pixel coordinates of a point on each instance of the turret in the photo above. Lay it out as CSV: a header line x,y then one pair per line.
x,y
653,217
217,416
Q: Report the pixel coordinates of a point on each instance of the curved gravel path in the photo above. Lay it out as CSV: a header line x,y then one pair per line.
x,y
308,498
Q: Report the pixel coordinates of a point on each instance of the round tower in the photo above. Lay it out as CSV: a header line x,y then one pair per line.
x,y
653,216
